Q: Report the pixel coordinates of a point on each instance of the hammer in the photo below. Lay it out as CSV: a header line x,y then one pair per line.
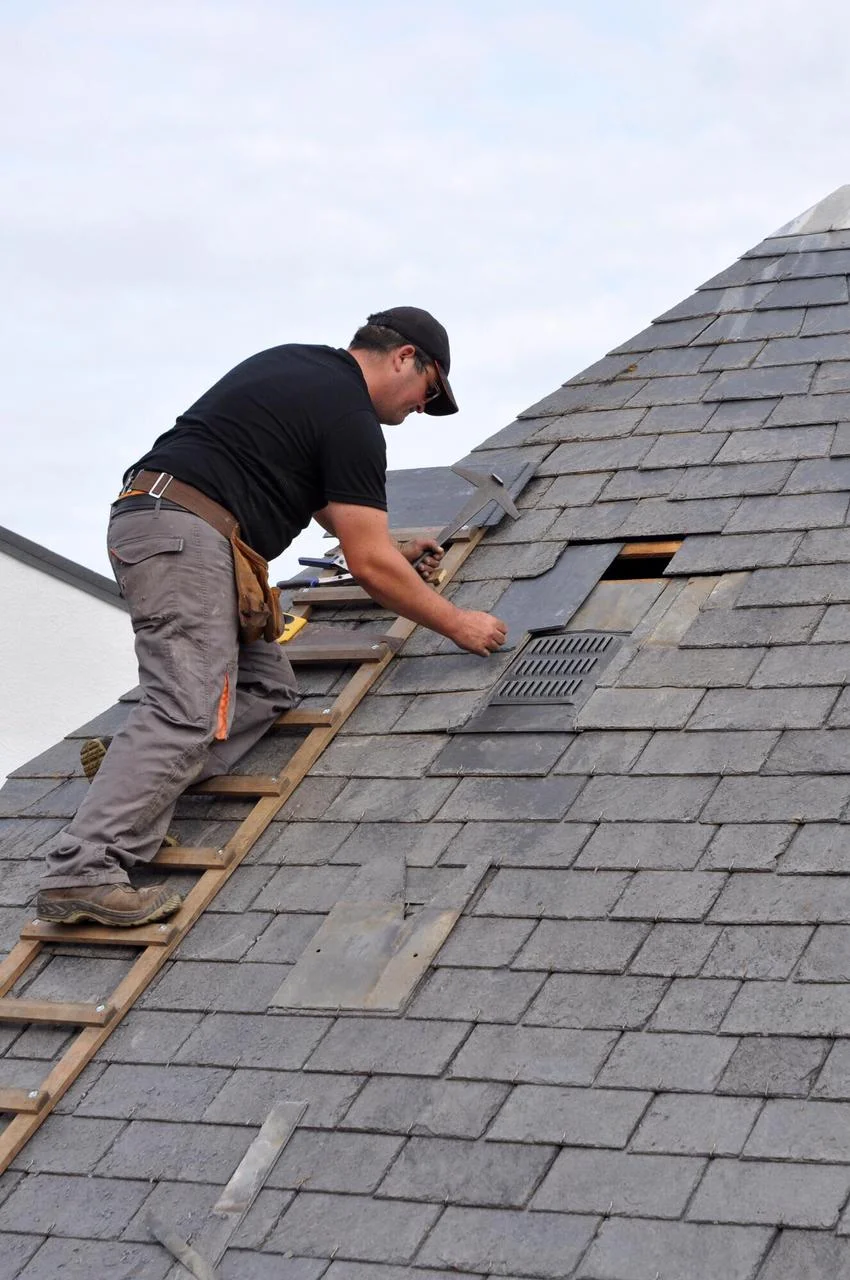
x,y
488,488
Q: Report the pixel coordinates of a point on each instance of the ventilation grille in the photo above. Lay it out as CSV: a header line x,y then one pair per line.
x,y
557,669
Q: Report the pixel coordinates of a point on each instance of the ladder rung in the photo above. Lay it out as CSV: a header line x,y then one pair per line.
x,y
310,716
146,935
187,858
237,784
331,595
334,649
26,1101
56,1011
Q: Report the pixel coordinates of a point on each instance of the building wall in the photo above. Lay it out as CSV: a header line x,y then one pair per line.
x,y
64,656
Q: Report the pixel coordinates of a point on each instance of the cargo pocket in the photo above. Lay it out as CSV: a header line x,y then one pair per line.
x,y
127,553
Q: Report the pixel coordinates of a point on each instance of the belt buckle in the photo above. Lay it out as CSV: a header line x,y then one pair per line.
x,y
156,492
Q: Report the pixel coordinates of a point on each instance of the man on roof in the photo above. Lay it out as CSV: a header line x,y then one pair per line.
x,y
289,434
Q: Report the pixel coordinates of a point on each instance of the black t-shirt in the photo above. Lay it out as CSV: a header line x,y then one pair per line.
x,y
280,436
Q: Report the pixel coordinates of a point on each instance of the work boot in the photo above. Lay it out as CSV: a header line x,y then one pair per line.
x,y
91,755
116,904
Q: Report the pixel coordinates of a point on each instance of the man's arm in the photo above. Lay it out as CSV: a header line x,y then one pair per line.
x,y
379,566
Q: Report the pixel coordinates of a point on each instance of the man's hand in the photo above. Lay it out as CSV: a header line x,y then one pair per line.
x,y
427,547
479,632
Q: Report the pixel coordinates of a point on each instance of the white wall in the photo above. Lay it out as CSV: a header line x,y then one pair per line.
x,y
65,656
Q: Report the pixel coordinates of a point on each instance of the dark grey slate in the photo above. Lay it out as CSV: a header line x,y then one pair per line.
x,y
567,895
723,553
761,383
747,846
684,449
801,410
748,326
757,951
502,1240
799,350
792,512
436,1108
596,455
499,1175
604,424
734,355
625,485
832,376
801,1130
696,1124
732,628
674,390
807,292
570,399
817,1255
675,333
581,1117
772,1066
552,598
819,475
769,444
827,584
576,490
655,845
576,946
645,1249
591,1000
756,1191
494,754
664,418
834,319
357,1227
618,1182
715,301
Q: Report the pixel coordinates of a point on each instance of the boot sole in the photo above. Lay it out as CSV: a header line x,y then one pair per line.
x,y
71,912
92,753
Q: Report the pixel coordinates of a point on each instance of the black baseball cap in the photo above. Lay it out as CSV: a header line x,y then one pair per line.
x,y
426,333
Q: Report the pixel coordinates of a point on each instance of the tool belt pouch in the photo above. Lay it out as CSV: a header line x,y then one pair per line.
x,y
259,603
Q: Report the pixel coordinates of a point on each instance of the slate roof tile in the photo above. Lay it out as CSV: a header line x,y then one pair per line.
x,y
640,1248
793,1195
694,1005
819,475
625,485
734,355
773,1066
834,376
357,1227
619,1182
832,319
696,1124
582,946
675,333
603,424
750,326
497,1174
499,1240
597,455
595,395
761,384
684,449
707,302
801,511
713,554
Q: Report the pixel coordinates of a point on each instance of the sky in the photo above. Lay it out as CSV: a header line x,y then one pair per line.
x,y
183,183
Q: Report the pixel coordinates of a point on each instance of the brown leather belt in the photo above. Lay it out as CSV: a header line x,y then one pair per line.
x,y
159,484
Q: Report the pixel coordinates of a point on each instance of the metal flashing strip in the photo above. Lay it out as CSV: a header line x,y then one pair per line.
x,y
556,669
367,957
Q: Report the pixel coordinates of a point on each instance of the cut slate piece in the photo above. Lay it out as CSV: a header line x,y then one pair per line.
x,y
426,496
551,599
367,955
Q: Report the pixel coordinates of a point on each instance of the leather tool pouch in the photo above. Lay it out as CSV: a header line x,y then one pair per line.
x,y
259,603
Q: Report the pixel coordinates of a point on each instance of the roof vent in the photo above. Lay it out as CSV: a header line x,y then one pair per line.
x,y
556,669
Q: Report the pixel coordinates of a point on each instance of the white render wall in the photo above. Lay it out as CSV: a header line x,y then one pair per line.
x,y
65,656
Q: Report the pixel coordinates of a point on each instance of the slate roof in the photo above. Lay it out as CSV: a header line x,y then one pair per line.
x,y
59,567
632,1057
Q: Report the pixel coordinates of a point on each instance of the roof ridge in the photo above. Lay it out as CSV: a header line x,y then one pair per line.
x,y
830,214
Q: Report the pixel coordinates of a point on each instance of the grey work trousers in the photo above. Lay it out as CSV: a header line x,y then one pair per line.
x,y
206,698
